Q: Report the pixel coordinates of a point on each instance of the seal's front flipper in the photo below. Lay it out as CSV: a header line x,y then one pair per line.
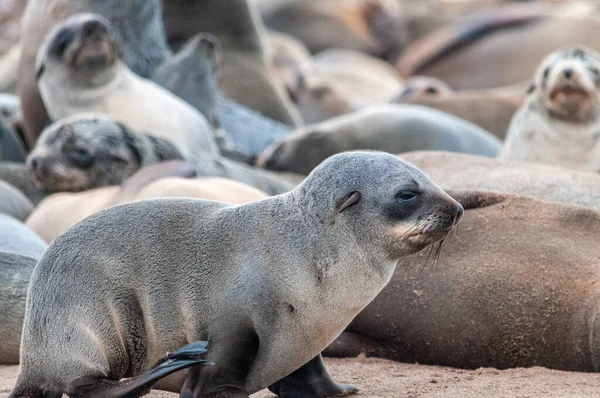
x,y
311,380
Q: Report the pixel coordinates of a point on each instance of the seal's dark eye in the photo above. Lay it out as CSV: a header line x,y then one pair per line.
x,y
406,196
63,39
432,90
81,157
546,72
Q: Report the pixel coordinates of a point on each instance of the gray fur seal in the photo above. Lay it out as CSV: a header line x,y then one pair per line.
x,y
559,123
516,286
193,74
80,70
386,127
56,213
245,75
20,250
137,27
89,151
155,275
460,171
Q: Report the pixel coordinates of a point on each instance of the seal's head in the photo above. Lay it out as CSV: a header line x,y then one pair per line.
x,y
83,152
567,85
82,50
420,87
389,206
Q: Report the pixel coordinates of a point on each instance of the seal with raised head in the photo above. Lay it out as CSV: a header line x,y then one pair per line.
x,y
516,286
80,70
137,27
386,127
193,74
559,123
89,151
162,273
20,250
56,213
245,76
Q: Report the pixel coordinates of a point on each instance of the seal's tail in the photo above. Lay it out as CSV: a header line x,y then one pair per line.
x,y
138,386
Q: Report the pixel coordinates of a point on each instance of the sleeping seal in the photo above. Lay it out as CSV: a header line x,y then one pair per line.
x,y
80,70
159,274
516,286
390,128
559,123
89,151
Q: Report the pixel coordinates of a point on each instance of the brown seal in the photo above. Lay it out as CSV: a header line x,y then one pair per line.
x,y
460,171
56,213
516,286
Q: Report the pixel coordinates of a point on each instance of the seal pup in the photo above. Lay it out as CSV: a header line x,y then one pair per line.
x,y
245,75
192,74
20,250
80,70
386,127
89,151
461,171
266,288
137,28
56,213
516,286
559,123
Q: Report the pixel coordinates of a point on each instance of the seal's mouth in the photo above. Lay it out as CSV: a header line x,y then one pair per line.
x,y
569,90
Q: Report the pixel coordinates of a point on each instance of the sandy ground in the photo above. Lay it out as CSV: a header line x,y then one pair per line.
x,y
380,378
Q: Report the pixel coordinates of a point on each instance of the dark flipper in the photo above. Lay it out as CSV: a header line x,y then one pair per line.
x,y
138,386
311,380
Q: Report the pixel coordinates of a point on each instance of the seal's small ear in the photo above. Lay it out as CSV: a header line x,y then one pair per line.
x,y
353,199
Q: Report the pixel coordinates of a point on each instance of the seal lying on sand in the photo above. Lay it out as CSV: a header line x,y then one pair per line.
x,y
460,171
20,250
80,70
559,123
516,286
90,151
55,214
137,27
390,128
162,273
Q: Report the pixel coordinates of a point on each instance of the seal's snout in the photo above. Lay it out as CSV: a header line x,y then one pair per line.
x,y
459,214
37,165
567,73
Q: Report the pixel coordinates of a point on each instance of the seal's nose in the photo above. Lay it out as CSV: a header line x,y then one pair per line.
x,y
37,164
459,213
568,73
90,27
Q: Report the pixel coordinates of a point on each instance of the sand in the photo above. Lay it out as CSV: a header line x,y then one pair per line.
x,y
380,378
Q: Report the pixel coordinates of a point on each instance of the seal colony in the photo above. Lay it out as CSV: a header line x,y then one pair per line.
x,y
160,293
144,141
